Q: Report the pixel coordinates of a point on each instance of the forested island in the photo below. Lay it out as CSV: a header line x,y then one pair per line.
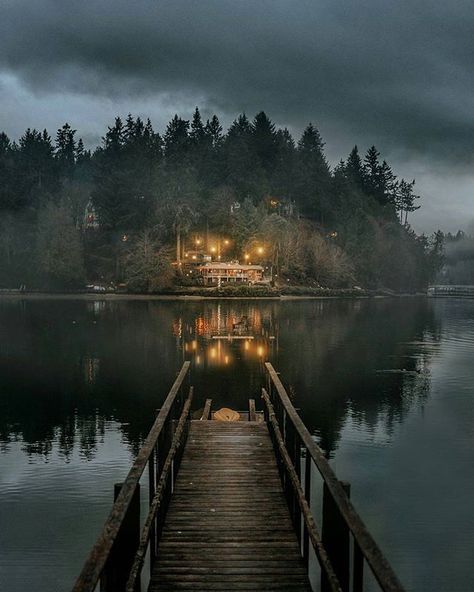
x,y
143,210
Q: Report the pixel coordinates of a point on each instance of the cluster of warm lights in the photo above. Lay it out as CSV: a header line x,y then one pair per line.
x,y
219,353
221,243
259,250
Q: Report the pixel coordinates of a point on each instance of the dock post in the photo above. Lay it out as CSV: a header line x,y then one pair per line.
x,y
115,575
307,494
335,538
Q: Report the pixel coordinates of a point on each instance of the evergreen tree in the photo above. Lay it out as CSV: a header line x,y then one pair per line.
x,y
115,137
36,167
283,173
80,151
405,199
241,170
65,152
111,194
153,142
8,191
264,141
372,172
213,131
379,180
176,140
354,168
388,184
197,132
313,176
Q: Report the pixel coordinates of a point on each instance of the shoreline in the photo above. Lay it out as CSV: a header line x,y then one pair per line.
x,y
191,297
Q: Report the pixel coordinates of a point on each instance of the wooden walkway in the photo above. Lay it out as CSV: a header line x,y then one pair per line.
x,y
228,526
229,507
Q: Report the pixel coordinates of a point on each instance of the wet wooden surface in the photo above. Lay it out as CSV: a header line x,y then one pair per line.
x,y
228,525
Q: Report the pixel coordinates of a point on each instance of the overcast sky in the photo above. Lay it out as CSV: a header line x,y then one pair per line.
x,y
395,74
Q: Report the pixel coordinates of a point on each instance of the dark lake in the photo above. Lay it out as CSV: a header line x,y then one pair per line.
x,y
386,387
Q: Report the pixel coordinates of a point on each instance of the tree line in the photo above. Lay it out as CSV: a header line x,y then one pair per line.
x,y
253,183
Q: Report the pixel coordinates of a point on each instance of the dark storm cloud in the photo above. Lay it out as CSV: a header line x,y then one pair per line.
x,y
397,72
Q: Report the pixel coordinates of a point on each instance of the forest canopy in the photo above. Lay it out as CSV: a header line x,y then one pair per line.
x,y
127,211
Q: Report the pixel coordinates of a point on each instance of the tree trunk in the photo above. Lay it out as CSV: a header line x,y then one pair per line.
x,y
178,249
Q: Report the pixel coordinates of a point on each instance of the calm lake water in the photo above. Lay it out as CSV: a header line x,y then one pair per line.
x,y
386,387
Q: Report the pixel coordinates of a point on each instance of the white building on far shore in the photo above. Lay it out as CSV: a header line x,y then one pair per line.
x,y
217,273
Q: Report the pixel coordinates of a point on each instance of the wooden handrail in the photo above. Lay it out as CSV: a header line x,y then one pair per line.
x,y
379,565
156,502
302,502
97,559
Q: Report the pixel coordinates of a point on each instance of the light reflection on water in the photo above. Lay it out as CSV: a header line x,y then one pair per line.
x,y
386,387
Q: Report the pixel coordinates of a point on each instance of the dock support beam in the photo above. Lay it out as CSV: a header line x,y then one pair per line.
x,y
115,575
336,541
252,412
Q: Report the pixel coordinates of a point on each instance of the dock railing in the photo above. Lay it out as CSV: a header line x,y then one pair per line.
x,y
344,545
119,552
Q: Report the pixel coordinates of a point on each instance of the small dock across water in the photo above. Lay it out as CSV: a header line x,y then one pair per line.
x,y
231,506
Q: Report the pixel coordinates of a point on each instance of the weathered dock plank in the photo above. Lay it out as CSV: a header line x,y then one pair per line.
x,y
228,526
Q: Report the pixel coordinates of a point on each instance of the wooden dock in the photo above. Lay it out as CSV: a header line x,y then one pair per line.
x,y
228,526
231,506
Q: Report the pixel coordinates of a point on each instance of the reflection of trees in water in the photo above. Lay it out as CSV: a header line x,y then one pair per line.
x,y
67,367
82,433
370,360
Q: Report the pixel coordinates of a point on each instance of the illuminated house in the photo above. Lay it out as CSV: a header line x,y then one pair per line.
x,y
230,273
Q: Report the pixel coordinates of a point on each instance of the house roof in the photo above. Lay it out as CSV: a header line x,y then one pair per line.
x,y
223,265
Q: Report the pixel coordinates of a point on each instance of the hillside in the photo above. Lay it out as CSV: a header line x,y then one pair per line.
x,y
129,211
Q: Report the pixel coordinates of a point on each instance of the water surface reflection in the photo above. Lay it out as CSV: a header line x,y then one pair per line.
x,y
80,382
